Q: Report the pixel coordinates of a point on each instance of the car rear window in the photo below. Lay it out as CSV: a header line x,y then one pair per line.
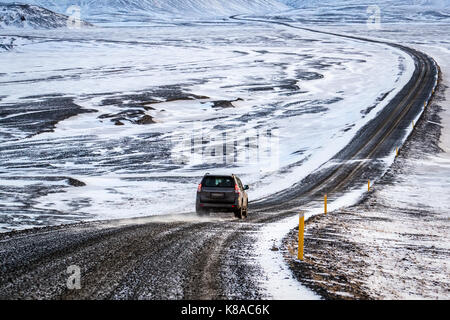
x,y
219,182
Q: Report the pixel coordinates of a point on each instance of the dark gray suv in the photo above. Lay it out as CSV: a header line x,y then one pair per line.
x,y
222,193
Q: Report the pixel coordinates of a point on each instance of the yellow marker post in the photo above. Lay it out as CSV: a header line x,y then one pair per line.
x,y
368,185
325,204
396,152
301,236
413,124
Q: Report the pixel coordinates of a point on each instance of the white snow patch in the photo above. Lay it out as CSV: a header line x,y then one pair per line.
x,y
280,283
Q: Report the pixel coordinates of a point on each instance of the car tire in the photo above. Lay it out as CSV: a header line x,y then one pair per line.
x,y
201,212
239,213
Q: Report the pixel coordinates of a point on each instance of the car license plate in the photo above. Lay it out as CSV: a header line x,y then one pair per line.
x,y
217,195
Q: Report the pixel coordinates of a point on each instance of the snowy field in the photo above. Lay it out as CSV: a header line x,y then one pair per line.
x,y
138,115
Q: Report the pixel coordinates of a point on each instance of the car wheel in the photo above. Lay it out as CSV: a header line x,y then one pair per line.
x,y
201,212
239,213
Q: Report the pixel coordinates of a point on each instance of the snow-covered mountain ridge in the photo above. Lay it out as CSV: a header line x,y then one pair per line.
x,y
352,11
188,8
436,4
31,16
306,10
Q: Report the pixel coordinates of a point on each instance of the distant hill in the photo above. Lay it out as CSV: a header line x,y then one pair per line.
x,y
31,16
435,4
353,11
160,8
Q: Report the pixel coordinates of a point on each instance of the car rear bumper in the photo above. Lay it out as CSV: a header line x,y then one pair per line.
x,y
218,206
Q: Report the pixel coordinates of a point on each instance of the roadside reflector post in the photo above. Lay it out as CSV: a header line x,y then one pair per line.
x,y
413,124
301,236
396,152
368,185
325,204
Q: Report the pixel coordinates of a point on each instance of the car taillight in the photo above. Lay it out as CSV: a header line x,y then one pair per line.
x,y
236,189
199,189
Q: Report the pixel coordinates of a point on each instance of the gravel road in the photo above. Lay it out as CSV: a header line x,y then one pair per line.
x,y
187,257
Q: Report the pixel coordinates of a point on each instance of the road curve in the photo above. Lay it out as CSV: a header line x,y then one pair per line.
x,y
374,141
188,257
